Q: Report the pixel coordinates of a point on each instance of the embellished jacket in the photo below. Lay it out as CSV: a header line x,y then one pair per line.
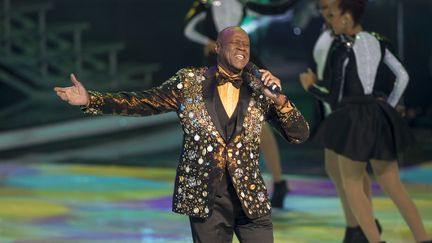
x,y
205,154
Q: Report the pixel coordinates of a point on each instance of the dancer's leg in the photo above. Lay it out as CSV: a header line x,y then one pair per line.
x,y
387,175
352,173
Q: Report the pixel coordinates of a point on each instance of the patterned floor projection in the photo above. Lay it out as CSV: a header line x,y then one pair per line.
x,y
57,203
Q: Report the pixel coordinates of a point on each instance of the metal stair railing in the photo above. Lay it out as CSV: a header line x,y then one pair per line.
x,y
40,10
6,19
33,46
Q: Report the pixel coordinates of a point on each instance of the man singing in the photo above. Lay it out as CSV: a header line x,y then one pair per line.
x,y
221,110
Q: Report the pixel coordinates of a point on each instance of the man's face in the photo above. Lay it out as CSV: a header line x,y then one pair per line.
x,y
233,49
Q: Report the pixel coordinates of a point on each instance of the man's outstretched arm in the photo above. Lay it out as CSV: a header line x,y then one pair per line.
x,y
163,98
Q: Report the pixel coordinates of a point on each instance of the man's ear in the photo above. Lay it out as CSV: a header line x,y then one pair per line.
x,y
217,47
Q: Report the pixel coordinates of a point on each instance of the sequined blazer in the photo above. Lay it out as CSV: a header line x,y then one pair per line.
x,y
205,154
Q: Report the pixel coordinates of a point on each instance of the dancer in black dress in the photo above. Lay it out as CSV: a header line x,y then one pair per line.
x,y
322,51
363,126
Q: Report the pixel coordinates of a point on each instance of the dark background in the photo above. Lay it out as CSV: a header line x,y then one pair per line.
x,y
152,33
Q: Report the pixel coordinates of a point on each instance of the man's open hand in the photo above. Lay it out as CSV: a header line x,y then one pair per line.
x,y
74,95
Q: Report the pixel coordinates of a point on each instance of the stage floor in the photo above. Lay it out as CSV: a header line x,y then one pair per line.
x,y
57,203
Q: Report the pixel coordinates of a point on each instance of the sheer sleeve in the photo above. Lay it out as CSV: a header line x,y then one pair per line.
x,y
401,74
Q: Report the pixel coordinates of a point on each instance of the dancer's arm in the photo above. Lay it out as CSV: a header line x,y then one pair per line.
x,y
334,94
272,8
401,74
196,15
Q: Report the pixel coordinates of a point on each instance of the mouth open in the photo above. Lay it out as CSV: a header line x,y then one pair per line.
x,y
239,57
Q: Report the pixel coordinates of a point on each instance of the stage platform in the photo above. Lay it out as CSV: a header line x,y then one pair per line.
x,y
54,203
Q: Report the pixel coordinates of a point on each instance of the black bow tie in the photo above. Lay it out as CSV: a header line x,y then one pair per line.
x,y
222,78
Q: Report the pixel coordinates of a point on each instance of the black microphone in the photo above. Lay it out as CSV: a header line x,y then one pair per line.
x,y
254,70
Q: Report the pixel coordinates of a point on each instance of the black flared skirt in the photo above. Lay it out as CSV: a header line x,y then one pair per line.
x,y
364,128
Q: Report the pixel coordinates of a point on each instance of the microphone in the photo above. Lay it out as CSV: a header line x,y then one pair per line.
x,y
254,70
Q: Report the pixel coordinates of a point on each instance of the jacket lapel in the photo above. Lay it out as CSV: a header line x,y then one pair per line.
x,y
243,103
209,86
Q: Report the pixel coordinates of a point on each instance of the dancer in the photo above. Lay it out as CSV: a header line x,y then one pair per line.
x,y
363,127
325,44
221,110
216,15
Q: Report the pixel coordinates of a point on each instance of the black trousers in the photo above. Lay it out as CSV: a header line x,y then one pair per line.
x,y
228,218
